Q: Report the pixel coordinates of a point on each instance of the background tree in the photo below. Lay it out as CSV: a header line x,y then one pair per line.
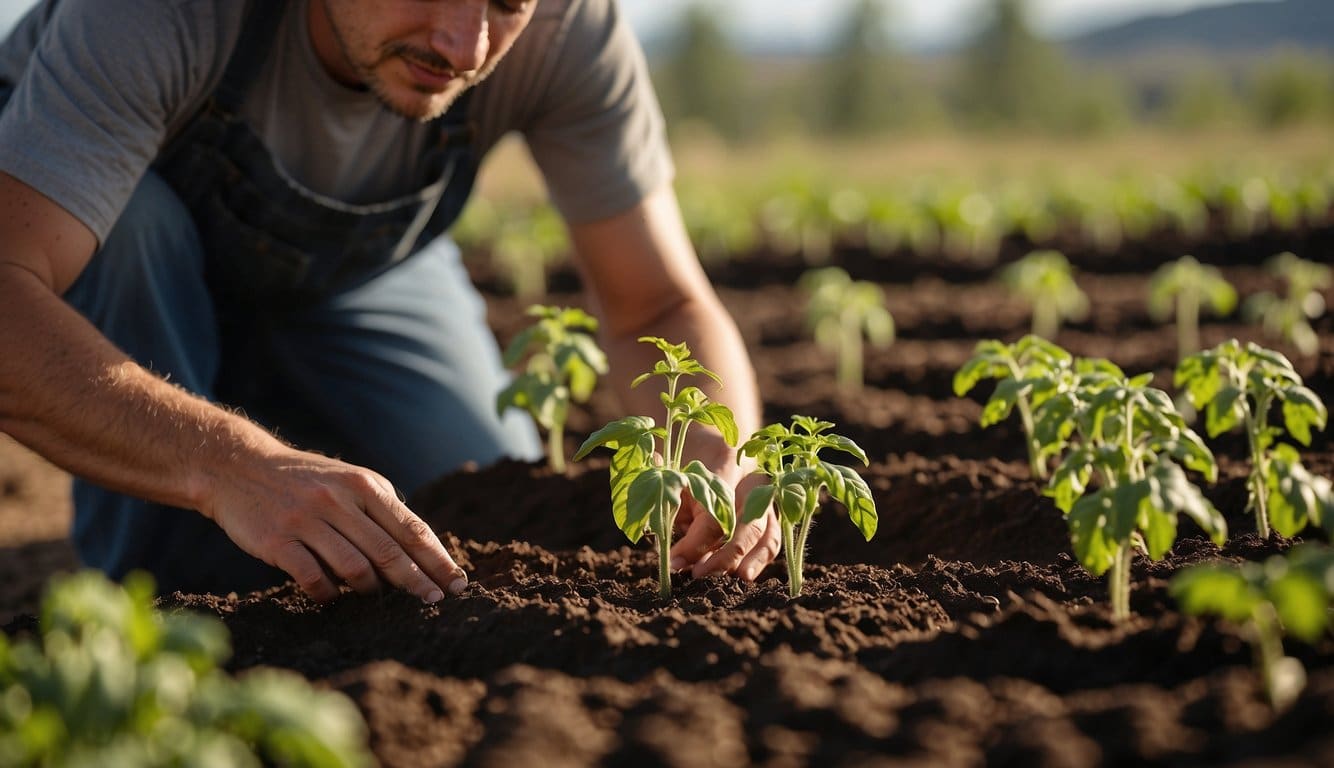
x,y
1010,77
1202,97
859,87
702,78
1291,88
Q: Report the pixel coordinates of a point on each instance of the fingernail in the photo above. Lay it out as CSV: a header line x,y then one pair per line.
x,y
457,586
678,563
435,596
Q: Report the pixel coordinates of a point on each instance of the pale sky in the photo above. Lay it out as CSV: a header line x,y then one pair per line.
x,y
918,22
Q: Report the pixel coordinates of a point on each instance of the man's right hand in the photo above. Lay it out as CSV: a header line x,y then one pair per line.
x,y
99,415
327,522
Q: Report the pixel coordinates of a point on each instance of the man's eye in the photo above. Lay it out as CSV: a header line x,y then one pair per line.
x,y
511,6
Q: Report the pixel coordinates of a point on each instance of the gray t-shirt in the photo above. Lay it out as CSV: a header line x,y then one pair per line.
x,y
102,85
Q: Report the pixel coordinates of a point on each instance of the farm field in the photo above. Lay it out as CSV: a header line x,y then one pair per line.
x,y
964,633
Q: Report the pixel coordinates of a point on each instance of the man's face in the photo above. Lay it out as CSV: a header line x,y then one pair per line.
x,y
417,56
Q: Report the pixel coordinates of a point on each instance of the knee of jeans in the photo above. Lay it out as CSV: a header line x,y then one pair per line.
x,y
155,232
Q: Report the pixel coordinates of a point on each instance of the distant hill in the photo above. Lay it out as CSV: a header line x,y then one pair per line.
x,y
1243,28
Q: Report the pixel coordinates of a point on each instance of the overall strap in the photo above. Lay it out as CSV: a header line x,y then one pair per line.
x,y
262,18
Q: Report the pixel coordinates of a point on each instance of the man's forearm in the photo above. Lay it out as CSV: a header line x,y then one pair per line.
x,y
69,394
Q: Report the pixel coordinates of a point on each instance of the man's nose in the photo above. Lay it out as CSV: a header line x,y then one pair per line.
x,y
460,34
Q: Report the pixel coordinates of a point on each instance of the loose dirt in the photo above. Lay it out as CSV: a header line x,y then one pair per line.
x,y
963,634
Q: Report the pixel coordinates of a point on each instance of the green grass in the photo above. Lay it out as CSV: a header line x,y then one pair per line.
x,y
509,173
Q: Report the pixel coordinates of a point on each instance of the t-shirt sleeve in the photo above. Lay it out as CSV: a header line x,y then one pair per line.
x,y
103,83
598,134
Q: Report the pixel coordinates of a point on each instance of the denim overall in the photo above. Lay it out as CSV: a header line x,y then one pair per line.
x,y
346,329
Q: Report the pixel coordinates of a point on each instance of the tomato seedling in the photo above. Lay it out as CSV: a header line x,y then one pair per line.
x,y
790,457
646,485
843,312
1182,288
527,244
1128,440
563,365
1026,375
1288,317
1045,280
1237,385
112,681
1287,594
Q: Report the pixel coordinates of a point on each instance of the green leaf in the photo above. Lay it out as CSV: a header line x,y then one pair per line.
x,y
1302,410
716,496
547,401
1276,362
971,373
1002,401
854,494
1203,376
757,502
589,352
1170,491
582,381
1159,530
630,459
1220,295
655,491
840,443
1088,520
879,325
1302,604
519,345
1218,590
1191,451
721,417
1069,481
1225,411
1053,423
807,424
1296,496
510,397
629,430
761,440
823,473
791,500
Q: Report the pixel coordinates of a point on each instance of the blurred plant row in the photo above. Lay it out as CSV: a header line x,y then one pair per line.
x,y
112,681
929,216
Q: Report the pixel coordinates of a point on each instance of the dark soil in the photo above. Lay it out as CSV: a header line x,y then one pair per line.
x,y
963,634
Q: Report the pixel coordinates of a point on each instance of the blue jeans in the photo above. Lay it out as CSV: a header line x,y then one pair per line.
x,y
398,374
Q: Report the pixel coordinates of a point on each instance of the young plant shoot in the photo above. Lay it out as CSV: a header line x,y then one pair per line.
x,y
1045,280
1288,317
1128,439
843,312
1184,287
112,681
1236,385
527,242
563,365
1026,375
646,485
1287,594
789,456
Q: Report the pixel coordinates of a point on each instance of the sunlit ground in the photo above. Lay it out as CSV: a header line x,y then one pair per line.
x,y
508,173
